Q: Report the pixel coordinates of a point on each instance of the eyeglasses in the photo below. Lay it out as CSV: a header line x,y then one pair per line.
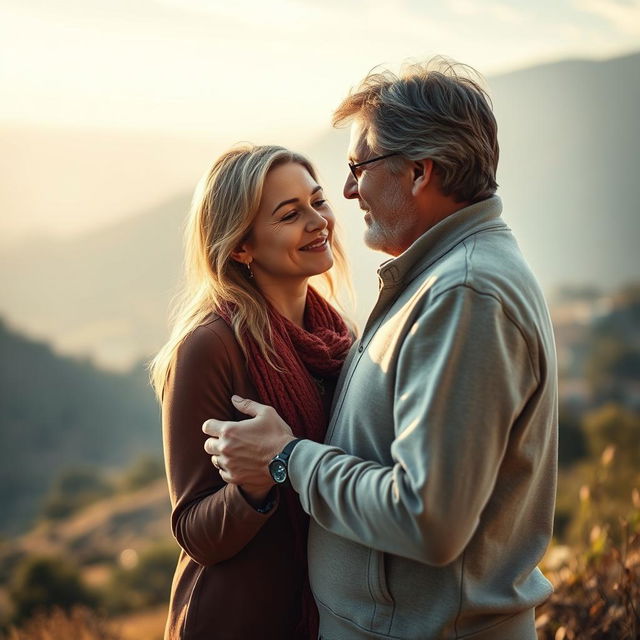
x,y
354,165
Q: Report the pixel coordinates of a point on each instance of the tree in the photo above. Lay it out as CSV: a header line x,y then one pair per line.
x,y
146,583
42,583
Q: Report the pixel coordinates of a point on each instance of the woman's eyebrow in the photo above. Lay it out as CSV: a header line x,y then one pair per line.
x,y
292,200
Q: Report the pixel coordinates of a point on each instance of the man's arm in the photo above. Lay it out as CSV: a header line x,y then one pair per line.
x,y
463,376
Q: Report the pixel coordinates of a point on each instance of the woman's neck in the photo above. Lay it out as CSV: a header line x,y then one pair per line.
x,y
288,299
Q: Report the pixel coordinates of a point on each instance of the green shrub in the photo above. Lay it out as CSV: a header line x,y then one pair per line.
x,y
146,583
41,584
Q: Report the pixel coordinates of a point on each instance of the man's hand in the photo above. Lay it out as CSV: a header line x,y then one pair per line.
x,y
242,450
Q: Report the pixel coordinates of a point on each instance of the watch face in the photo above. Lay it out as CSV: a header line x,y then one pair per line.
x,y
278,471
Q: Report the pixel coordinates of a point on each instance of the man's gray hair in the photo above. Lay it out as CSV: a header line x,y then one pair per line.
x,y
437,110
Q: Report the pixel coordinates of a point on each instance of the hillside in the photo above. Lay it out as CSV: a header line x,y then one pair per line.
x,y
102,530
569,136
122,548
57,413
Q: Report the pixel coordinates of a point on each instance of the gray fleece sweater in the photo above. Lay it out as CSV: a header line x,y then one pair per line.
x,y
432,500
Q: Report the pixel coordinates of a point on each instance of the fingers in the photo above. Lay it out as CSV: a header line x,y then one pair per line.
x,y
211,446
215,461
227,477
237,449
246,406
216,428
212,427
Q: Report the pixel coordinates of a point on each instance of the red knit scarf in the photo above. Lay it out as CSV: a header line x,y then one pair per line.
x,y
308,356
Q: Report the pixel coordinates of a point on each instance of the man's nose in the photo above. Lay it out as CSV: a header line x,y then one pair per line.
x,y
350,189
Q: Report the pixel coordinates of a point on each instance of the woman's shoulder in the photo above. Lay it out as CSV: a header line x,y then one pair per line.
x,y
213,327
212,339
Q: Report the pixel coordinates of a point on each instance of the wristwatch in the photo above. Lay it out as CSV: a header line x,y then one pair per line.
x,y
279,466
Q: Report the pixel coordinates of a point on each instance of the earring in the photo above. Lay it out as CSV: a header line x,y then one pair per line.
x,y
249,269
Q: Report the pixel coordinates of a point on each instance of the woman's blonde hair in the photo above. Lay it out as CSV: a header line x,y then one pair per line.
x,y
222,213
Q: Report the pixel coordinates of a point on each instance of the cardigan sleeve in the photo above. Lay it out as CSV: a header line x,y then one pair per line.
x,y
210,519
464,375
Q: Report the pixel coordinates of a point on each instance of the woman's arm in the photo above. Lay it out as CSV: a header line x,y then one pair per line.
x,y
212,521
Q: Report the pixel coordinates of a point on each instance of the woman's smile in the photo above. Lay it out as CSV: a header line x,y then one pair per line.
x,y
318,245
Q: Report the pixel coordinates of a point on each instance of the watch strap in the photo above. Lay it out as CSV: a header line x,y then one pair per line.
x,y
286,452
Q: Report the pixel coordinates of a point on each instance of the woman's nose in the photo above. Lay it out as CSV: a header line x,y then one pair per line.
x,y
317,222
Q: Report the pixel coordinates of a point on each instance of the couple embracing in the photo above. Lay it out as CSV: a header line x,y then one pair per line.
x,y
399,484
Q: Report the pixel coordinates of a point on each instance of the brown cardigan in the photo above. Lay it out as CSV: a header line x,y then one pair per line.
x,y
235,578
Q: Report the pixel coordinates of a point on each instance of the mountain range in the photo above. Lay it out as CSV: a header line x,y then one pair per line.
x,y
569,137
59,414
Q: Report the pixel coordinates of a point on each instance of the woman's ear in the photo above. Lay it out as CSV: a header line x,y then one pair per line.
x,y
422,173
242,253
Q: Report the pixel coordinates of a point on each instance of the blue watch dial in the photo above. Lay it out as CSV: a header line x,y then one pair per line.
x,y
278,465
278,471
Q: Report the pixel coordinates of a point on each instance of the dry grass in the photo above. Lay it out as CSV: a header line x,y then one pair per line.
x,y
79,624
143,625
597,593
84,624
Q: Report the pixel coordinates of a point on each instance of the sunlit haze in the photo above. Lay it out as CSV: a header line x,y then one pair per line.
x,y
219,72
245,66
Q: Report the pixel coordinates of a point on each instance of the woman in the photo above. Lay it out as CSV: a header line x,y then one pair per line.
x,y
248,324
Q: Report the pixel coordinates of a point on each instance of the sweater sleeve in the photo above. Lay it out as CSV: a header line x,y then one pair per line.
x,y
210,519
463,376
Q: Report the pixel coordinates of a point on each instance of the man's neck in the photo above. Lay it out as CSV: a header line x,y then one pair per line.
x,y
429,218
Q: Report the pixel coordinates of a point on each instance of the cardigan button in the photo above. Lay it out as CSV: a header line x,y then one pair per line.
x,y
360,348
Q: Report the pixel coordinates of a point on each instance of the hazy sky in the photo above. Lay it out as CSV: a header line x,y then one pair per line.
x,y
247,65
157,88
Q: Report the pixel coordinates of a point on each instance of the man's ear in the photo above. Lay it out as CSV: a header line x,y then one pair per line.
x,y
422,174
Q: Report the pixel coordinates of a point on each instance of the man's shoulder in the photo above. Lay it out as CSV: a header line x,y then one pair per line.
x,y
490,263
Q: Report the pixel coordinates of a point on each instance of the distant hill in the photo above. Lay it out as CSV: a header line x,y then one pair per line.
x,y
104,294
56,413
101,530
569,136
570,142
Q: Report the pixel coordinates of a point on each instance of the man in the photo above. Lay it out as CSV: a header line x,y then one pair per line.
x,y
432,500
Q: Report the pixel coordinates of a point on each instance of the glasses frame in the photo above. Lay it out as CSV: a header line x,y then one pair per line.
x,y
354,165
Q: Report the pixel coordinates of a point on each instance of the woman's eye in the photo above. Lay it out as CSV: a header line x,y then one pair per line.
x,y
289,216
319,203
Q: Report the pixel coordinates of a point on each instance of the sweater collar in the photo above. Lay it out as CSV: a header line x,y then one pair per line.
x,y
440,239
